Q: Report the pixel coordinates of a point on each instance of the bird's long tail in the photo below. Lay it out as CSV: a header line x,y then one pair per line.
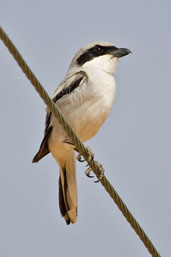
x,y
68,189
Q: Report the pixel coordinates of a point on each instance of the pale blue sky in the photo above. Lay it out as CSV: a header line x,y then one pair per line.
x,y
134,145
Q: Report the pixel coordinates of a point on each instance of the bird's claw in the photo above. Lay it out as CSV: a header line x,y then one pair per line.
x,y
99,176
79,158
87,172
90,155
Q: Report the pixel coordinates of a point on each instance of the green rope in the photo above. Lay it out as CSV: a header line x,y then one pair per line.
x,y
79,146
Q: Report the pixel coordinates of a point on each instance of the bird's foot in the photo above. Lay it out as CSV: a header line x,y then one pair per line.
x,y
99,176
90,155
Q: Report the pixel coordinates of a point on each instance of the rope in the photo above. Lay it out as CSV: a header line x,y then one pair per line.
x,y
79,146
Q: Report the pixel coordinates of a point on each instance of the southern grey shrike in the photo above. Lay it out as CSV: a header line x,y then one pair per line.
x,y
85,98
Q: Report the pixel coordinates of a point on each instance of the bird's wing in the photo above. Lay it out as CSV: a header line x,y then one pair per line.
x,y
66,87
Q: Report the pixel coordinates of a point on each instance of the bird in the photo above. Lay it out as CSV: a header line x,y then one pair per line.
x,y
85,98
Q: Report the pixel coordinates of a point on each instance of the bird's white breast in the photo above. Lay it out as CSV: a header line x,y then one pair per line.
x,y
91,104
88,106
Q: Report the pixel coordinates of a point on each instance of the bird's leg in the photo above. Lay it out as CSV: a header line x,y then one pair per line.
x,y
68,141
79,156
90,155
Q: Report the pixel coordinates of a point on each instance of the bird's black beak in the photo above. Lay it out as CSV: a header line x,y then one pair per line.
x,y
120,52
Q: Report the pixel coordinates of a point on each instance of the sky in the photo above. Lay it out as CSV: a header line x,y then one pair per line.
x,y
134,144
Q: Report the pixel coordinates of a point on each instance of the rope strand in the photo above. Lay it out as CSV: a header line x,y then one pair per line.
x,y
79,146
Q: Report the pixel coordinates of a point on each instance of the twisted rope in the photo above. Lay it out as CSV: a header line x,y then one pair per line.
x,y
79,146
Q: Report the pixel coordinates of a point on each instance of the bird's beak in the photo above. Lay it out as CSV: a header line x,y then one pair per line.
x,y
120,52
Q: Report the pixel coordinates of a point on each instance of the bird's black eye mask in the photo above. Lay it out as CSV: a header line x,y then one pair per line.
x,y
95,51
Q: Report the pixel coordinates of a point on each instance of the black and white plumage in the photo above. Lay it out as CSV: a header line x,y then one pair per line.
x,y
85,98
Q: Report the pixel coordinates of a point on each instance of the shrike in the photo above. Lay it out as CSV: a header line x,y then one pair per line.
x,y
85,98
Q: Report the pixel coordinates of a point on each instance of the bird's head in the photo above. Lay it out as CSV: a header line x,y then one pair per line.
x,y
100,55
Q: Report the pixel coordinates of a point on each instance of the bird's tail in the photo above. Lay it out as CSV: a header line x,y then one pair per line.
x,y
68,189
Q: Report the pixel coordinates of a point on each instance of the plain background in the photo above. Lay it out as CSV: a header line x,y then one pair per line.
x,y
134,145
